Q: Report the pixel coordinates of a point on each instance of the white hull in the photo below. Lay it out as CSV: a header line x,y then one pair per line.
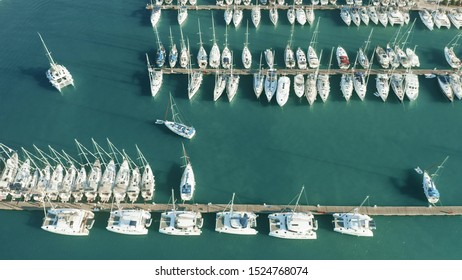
x,y
354,224
241,223
292,225
129,222
282,93
183,223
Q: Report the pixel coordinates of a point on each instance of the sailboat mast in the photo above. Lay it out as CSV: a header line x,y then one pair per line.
x,y
157,36
173,200
200,33
47,52
232,203
330,60
368,41
213,30
298,199
171,38
439,167
182,39
247,35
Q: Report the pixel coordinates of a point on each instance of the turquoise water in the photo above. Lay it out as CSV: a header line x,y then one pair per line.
x,y
340,151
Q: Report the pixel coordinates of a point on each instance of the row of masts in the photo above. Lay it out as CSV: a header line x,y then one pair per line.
x,y
57,176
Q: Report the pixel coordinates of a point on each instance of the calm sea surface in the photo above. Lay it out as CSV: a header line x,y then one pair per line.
x,y
340,151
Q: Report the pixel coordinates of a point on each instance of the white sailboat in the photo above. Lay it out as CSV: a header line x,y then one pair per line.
x,y
273,13
182,223
58,75
383,86
147,187
184,52
68,183
129,221
364,15
255,14
355,18
246,55
155,15
383,16
226,56
346,85
94,176
362,54
455,81
397,85
299,85
291,14
449,53
155,78
133,189
182,14
176,124
258,80
236,222
342,58
271,83
440,18
309,10
293,224
55,182
188,181
107,182
383,58
228,15
300,15
21,180
173,54
429,186
445,86
455,16
8,174
313,60
194,80
282,92
238,14
411,85
323,84
77,191
214,58
202,58
220,85
301,59
310,84
373,16
354,223
289,57
232,84
345,15
122,181
161,53
269,57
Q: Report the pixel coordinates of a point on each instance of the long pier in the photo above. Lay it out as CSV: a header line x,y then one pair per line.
x,y
257,208
262,7
285,71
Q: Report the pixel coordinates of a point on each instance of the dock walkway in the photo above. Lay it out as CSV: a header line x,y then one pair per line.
x,y
257,208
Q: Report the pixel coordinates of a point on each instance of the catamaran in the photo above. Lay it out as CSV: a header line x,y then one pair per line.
x,y
58,75
455,16
292,224
354,223
246,55
155,78
176,124
429,186
236,222
129,221
426,18
395,16
67,221
214,58
440,18
180,222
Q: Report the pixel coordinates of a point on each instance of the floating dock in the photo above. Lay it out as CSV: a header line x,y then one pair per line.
x,y
284,71
257,208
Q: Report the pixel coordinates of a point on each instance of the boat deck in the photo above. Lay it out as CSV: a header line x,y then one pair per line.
x,y
256,208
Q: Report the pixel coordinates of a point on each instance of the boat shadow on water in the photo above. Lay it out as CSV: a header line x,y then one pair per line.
x,y
144,16
35,219
38,73
411,186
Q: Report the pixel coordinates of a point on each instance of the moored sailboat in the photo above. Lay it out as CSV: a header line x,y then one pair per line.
x,y
176,124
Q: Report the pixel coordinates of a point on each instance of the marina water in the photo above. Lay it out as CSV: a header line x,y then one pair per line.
x,y
340,151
